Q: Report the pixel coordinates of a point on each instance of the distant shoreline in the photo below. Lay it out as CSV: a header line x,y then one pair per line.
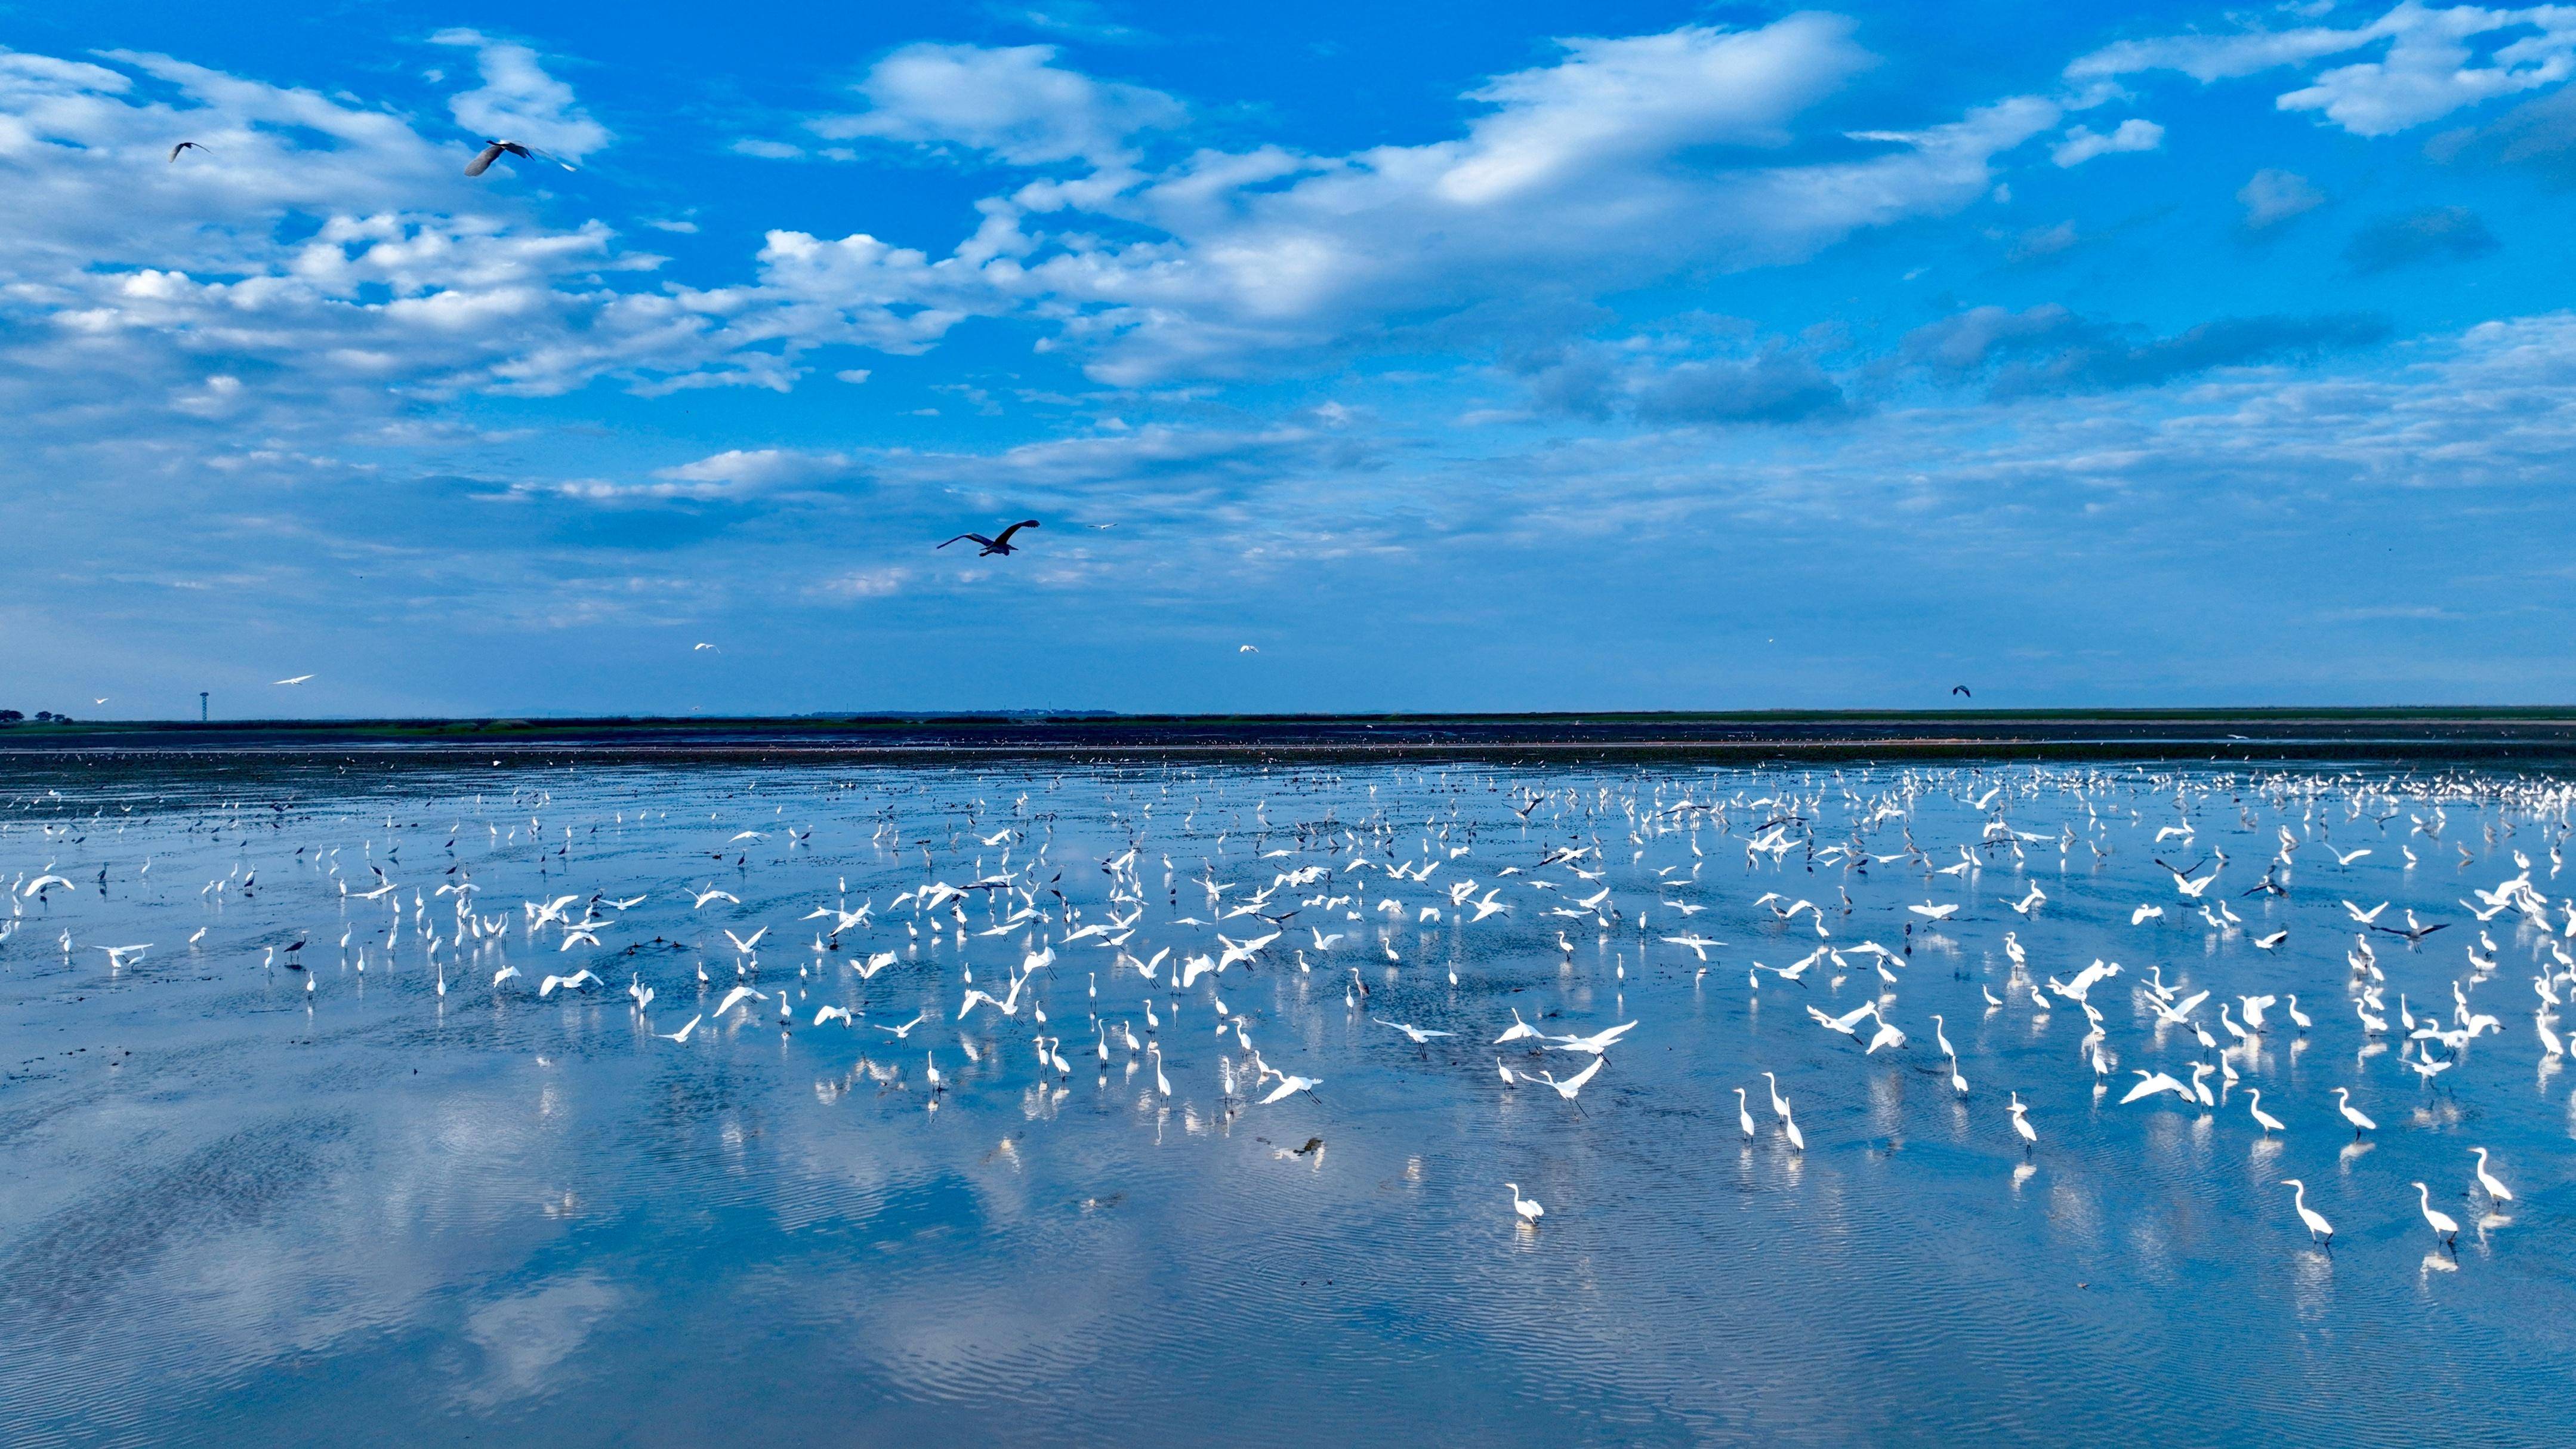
x,y
2522,734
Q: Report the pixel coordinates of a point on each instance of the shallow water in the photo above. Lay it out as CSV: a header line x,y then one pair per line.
x,y
240,1211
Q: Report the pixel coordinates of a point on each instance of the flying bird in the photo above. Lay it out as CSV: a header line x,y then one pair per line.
x,y
299,679
1961,689
991,546
494,150
184,146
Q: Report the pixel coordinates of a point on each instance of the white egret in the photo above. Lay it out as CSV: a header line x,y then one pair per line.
x,y
2445,1227
2151,1083
2254,1104
2318,1228
2496,1191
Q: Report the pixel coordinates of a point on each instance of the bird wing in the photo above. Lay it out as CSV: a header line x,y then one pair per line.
x,y
484,158
971,537
1014,528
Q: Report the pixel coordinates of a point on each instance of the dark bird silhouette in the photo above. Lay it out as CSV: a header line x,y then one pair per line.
x,y
1961,689
184,146
993,546
494,150
2413,932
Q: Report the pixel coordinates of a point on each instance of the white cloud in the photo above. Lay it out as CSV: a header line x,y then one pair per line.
x,y
301,298
1013,102
1621,161
1617,163
2083,143
2426,71
876,583
738,472
2273,196
519,101
1614,102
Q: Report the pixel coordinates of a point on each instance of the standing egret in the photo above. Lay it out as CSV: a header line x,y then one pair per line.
x,y
2021,1124
1744,1113
2360,1123
2445,1227
1527,1208
2496,1191
2254,1104
2318,1227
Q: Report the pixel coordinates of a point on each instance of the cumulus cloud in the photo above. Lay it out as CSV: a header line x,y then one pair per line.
x,y
1013,103
740,472
519,101
2273,196
1611,102
2427,66
2083,143
2431,234
1619,162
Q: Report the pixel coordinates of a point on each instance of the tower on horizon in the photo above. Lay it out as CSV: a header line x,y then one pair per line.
x,y
201,706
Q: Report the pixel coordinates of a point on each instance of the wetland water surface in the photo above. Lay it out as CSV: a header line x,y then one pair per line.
x,y
270,1196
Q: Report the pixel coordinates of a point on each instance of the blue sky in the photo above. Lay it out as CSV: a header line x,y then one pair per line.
x,y
1455,357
